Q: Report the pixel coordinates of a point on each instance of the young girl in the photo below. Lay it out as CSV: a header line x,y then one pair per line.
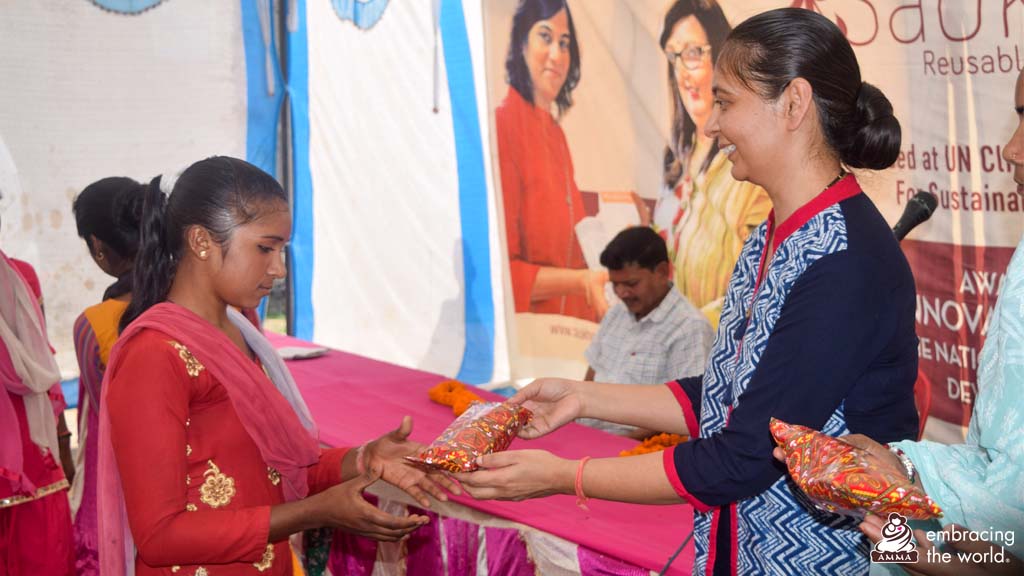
x,y
207,451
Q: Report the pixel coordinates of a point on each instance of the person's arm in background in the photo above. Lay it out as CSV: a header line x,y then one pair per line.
x,y
90,374
64,442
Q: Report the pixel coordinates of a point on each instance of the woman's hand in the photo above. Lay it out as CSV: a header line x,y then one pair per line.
x,y
933,565
554,402
388,452
878,455
519,475
344,507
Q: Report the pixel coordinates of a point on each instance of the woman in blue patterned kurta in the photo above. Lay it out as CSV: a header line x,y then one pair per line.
x,y
817,326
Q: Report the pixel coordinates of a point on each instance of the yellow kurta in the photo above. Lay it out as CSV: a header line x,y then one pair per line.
x,y
706,241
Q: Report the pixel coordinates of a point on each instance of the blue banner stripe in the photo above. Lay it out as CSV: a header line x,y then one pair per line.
x,y
300,251
478,357
262,108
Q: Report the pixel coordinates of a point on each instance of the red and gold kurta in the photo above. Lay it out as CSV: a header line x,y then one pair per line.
x,y
197,490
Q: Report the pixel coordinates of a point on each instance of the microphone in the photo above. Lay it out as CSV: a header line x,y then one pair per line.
x,y
919,208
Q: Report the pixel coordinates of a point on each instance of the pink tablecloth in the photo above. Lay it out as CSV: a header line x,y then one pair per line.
x,y
354,399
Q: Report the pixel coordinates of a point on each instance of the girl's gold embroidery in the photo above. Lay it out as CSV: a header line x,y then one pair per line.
x,y
190,507
267,561
192,366
274,475
217,490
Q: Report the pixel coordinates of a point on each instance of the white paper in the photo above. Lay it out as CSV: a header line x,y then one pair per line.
x,y
301,352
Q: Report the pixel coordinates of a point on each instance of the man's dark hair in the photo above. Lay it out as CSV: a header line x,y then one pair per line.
x,y
639,245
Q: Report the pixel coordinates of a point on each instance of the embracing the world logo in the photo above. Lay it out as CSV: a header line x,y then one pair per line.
x,y
897,543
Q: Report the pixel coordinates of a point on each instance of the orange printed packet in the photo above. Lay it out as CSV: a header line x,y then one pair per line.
x,y
839,477
485,427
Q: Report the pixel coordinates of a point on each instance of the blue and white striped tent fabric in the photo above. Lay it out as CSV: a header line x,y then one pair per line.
x,y
394,233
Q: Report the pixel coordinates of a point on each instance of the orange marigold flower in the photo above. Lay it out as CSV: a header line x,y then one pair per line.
x,y
453,393
655,443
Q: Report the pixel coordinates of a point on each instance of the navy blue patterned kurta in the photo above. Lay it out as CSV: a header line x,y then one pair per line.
x,y
827,341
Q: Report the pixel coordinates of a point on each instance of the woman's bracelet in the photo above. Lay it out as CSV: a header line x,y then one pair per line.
x,y
908,466
361,460
581,498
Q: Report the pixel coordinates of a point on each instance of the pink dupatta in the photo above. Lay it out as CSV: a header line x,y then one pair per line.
x,y
271,410
27,369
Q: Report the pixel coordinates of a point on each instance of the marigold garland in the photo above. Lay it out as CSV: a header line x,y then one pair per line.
x,y
655,443
455,394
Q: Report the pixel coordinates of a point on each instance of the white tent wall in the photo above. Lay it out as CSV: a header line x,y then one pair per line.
x,y
388,256
473,10
89,93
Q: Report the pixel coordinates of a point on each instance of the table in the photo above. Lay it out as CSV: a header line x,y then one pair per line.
x,y
354,399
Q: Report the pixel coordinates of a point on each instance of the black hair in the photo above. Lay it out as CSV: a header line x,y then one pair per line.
x,y
219,194
517,74
709,14
638,245
110,210
771,49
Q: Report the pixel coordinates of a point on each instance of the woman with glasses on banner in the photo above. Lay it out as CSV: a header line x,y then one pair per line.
x,y
542,203
817,326
704,213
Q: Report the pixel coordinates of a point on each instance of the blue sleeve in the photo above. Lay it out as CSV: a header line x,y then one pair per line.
x,y
831,328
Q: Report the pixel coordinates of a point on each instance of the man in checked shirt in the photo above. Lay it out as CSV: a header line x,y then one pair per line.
x,y
653,334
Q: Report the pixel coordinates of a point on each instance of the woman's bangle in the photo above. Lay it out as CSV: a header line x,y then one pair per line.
x,y
581,498
908,466
361,460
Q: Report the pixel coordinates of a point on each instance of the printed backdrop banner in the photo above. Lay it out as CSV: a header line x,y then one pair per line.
x,y
107,88
948,68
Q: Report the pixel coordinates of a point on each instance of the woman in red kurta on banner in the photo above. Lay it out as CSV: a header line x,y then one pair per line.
x,y
207,451
542,203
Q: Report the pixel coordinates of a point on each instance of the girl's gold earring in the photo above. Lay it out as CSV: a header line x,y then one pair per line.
x,y
202,254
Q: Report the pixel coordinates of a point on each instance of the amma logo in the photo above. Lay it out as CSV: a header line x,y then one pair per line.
x,y
363,13
127,6
897,543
